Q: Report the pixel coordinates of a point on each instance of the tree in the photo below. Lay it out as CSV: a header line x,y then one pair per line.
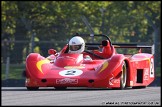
x,y
59,20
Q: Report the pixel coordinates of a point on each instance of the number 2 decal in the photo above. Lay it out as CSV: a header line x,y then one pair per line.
x,y
71,72
152,67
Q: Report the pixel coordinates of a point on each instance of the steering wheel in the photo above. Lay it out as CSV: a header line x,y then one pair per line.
x,y
93,54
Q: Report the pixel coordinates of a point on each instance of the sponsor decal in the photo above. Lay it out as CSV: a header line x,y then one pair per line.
x,y
113,81
71,72
67,81
110,81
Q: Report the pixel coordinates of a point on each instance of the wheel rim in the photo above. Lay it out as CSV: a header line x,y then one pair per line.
x,y
123,76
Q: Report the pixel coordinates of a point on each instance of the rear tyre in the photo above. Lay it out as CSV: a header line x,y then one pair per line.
x,y
138,87
32,88
123,78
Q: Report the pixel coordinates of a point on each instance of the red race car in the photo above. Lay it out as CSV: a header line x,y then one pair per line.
x,y
99,66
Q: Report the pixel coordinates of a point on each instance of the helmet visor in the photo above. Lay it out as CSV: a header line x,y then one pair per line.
x,y
75,47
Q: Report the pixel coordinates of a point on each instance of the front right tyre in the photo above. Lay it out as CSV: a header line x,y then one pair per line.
x,y
123,78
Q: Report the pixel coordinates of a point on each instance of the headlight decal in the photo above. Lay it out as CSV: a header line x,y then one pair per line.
x,y
104,66
40,63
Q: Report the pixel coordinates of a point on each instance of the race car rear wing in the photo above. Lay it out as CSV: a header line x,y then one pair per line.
x,y
116,45
128,45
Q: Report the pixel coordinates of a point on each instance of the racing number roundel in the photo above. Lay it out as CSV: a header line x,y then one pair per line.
x,y
71,72
152,68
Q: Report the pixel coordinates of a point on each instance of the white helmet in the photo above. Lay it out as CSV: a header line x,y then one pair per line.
x,y
76,45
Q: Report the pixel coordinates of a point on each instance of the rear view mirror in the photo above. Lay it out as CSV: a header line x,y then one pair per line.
x,y
105,43
52,51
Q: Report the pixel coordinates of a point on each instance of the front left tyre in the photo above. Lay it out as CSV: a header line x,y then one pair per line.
x,y
60,88
32,88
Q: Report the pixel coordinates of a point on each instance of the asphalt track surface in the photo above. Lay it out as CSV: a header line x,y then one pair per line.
x,y
20,96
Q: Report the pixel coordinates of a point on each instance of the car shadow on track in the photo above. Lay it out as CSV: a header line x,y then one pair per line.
x,y
53,89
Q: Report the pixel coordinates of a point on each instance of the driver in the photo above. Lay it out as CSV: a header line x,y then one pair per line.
x,y
76,45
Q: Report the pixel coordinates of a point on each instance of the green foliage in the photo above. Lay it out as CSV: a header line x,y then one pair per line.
x,y
15,71
123,21
158,72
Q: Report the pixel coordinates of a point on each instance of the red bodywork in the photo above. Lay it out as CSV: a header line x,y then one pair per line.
x,y
73,70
